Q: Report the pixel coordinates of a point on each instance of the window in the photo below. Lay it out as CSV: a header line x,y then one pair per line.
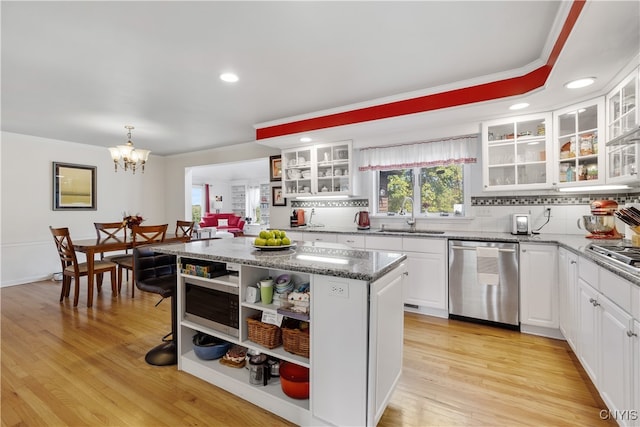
x,y
438,191
197,201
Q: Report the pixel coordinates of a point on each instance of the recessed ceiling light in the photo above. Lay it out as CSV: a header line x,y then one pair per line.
x,y
229,77
580,83
519,106
305,139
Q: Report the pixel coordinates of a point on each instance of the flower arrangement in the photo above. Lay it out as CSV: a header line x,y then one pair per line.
x,y
131,220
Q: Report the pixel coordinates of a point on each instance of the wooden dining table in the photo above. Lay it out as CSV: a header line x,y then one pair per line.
x,y
91,247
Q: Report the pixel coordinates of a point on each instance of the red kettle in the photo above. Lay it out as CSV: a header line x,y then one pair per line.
x,y
362,219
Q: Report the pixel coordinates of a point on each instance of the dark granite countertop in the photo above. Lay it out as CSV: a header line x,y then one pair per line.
x,y
572,242
330,259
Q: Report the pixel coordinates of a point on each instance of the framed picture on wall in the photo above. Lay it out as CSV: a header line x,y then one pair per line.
x,y
74,187
275,168
277,197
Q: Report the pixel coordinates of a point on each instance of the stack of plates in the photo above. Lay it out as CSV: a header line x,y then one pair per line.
x,y
283,284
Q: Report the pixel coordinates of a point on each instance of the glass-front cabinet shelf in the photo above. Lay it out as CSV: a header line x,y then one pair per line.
x,y
318,170
515,153
623,119
579,154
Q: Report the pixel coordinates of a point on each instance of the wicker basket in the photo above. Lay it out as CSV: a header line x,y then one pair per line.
x,y
295,341
269,336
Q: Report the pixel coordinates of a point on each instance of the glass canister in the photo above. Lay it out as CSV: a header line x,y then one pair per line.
x,y
258,370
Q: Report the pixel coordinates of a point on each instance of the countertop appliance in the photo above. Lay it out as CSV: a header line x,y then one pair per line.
x,y
601,223
520,224
625,257
362,219
484,283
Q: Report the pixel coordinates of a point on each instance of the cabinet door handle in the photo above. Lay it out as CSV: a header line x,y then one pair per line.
x,y
594,302
631,334
524,250
406,273
351,241
573,261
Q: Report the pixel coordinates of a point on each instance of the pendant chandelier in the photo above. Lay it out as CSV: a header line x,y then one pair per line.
x,y
127,157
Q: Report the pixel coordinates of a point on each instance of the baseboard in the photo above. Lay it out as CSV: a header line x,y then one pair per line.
x,y
542,331
436,312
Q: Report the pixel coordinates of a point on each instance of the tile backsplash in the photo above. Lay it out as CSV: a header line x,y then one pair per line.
x,y
486,213
550,200
493,213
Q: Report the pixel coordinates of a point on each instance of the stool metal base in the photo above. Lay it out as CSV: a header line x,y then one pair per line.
x,y
165,354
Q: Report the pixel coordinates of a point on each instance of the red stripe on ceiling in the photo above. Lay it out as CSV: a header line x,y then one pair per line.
x,y
468,95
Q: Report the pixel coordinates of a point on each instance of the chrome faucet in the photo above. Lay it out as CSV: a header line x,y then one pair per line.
x,y
412,221
310,223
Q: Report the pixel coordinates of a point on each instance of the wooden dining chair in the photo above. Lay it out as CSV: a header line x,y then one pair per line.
x,y
108,232
72,269
184,229
142,235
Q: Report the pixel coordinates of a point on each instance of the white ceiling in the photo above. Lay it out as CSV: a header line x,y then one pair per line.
x,y
80,71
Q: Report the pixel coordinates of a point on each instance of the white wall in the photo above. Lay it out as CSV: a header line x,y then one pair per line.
x,y
175,168
27,250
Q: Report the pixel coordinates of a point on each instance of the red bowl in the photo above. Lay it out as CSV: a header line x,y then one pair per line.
x,y
294,380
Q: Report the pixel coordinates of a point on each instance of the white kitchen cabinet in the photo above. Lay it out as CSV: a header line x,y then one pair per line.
x,y
363,320
623,158
383,243
567,288
515,153
353,240
623,117
295,235
426,283
579,155
385,343
635,344
539,285
615,351
355,391
317,170
309,236
605,349
588,330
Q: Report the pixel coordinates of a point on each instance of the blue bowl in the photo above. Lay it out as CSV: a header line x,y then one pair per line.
x,y
208,347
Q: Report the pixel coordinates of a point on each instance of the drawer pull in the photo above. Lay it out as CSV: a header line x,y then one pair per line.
x,y
631,334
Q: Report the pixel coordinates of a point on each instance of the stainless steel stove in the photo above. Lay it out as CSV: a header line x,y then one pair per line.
x,y
627,257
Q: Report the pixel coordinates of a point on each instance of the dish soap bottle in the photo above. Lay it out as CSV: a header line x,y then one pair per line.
x,y
570,174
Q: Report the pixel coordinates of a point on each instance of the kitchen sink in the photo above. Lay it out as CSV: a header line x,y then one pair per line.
x,y
404,230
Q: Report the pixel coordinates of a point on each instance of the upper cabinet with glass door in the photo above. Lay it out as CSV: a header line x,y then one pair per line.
x,y
579,154
318,170
622,119
515,153
297,171
333,168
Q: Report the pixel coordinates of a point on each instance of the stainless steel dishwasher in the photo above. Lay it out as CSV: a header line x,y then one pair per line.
x,y
484,282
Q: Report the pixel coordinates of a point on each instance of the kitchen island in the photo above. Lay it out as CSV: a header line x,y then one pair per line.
x,y
356,325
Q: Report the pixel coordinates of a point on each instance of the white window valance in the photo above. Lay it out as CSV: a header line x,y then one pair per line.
x,y
441,152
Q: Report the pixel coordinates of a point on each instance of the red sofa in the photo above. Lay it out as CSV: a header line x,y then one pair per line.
x,y
235,224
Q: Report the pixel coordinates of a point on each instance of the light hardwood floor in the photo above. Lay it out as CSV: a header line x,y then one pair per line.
x,y
85,367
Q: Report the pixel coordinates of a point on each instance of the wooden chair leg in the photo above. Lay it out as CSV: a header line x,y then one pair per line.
x,y
114,284
100,277
133,283
76,295
64,290
119,279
